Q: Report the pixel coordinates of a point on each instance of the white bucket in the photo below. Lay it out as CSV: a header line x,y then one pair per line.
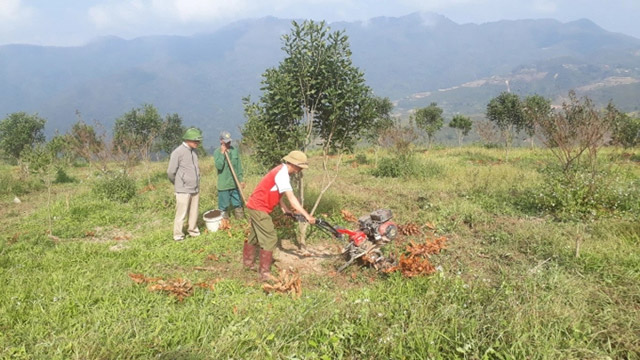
x,y
212,219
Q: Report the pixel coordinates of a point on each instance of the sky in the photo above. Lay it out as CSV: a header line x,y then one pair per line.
x,y
77,22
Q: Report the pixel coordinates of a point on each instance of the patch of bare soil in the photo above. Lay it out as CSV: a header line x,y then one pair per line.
x,y
311,259
100,235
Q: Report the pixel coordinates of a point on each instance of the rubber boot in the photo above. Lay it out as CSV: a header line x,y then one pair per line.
x,y
248,255
238,213
265,264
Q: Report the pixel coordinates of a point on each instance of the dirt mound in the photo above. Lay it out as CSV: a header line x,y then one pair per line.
x,y
311,259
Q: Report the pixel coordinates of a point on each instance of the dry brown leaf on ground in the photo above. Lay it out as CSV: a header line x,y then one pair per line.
x,y
137,278
287,282
435,245
348,216
54,238
409,229
432,246
416,261
414,266
205,268
14,239
430,226
225,224
211,284
147,188
213,257
122,237
140,278
411,266
180,288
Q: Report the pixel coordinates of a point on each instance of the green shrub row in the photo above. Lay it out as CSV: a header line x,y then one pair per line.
x,y
115,186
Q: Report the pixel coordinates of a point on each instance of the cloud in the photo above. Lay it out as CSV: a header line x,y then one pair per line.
x,y
201,10
115,14
14,11
545,6
118,12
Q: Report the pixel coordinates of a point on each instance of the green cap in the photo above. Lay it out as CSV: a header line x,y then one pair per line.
x,y
192,134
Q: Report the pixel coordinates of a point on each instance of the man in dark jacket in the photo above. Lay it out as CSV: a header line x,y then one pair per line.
x,y
184,173
228,193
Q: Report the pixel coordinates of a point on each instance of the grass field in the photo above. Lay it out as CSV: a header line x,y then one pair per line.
x,y
515,282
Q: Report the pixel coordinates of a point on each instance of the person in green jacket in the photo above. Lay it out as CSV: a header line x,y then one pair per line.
x,y
228,194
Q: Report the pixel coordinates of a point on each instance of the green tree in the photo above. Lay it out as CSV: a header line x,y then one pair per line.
x,y
135,131
383,107
535,108
376,133
430,120
463,125
505,111
170,134
315,95
20,131
626,129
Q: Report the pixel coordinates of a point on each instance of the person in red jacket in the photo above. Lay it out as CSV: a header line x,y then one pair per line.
x,y
265,197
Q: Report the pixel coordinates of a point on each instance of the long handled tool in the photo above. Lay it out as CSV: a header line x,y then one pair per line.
x,y
235,178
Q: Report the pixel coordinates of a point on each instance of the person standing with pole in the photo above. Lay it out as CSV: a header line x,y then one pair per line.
x,y
230,179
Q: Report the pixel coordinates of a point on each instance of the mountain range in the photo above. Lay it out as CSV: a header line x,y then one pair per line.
x,y
414,60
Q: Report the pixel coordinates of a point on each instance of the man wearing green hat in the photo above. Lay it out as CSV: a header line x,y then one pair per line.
x,y
184,174
228,192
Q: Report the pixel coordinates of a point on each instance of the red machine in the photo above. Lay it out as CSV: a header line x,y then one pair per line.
x,y
375,230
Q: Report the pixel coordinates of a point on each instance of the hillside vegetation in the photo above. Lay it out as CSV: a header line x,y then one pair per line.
x,y
515,281
204,77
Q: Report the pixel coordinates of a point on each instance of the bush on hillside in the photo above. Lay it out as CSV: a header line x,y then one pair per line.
x,y
403,166
116,187
62,177
585,194
16,186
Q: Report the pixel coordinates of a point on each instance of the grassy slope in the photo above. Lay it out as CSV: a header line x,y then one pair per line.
x,y
511,285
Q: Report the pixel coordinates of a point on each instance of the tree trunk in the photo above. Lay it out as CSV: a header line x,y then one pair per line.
x,y
301,235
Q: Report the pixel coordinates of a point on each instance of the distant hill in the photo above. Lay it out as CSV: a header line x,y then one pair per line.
x,y
414,60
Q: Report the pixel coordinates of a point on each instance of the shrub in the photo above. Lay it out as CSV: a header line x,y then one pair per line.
x,y
492,146
626,131
388,167
361,159
14,186
406,166
585,194
117,187
62,177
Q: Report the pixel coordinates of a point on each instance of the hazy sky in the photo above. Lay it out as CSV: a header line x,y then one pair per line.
x,y
75,22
